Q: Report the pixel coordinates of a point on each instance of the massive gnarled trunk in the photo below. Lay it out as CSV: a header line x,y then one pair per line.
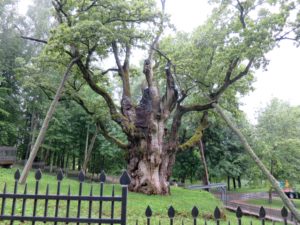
x,y
149,165
149,158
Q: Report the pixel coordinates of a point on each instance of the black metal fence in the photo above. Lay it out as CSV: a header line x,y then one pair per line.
x,y
217,216
58,198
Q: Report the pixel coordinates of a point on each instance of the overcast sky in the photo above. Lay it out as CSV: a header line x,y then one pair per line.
x,y
282,78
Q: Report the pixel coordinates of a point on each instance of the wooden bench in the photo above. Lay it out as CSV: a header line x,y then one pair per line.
x,y
62,211
7,156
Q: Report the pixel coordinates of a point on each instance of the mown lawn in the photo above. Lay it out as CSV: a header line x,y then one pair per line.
x,y
181,199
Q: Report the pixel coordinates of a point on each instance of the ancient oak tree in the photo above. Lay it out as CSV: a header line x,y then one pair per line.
x,y
182,74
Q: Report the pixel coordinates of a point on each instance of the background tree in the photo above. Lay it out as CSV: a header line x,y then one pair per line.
x,y
279,129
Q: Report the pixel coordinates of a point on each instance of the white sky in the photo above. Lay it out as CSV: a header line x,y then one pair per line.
x,y
282,79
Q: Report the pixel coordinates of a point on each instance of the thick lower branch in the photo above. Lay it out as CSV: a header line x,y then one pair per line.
x,y
87,76
197,135
171,95
111,138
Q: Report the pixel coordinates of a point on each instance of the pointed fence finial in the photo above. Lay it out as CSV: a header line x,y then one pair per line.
x,y
38,174
102,176
239,212
217,213
148,212
125,179
171,212
17,175
195,212
262,213
60,175
284,212
81,176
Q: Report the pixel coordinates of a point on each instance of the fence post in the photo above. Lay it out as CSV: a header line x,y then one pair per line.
x,y
124,181
3,201
17,176
217,215
24,202
284,214
102,180
195,213
239,214
171,214
81,179
60,176
262,215
148,214
38,176
68,202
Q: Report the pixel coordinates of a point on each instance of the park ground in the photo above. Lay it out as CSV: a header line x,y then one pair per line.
x,y
183,200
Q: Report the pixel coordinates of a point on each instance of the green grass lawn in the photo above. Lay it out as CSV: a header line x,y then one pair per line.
x,y
276,203
181,199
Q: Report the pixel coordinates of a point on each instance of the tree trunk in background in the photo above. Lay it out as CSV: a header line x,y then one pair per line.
x,y
287,202
33,128
234,183
88,151
66,167
270,195
46,155
62,159
58,158
51,162
74,162
239,182
86,143
42,133
79,164
205,178
228,183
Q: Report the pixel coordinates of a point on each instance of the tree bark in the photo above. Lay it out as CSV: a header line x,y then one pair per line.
x,y
89,150
33,128
239,181
287,202
150,162
51,162
73,162
205,177
42,133
234,183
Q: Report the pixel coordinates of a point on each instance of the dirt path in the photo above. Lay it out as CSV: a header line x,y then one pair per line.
x,y
240,199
